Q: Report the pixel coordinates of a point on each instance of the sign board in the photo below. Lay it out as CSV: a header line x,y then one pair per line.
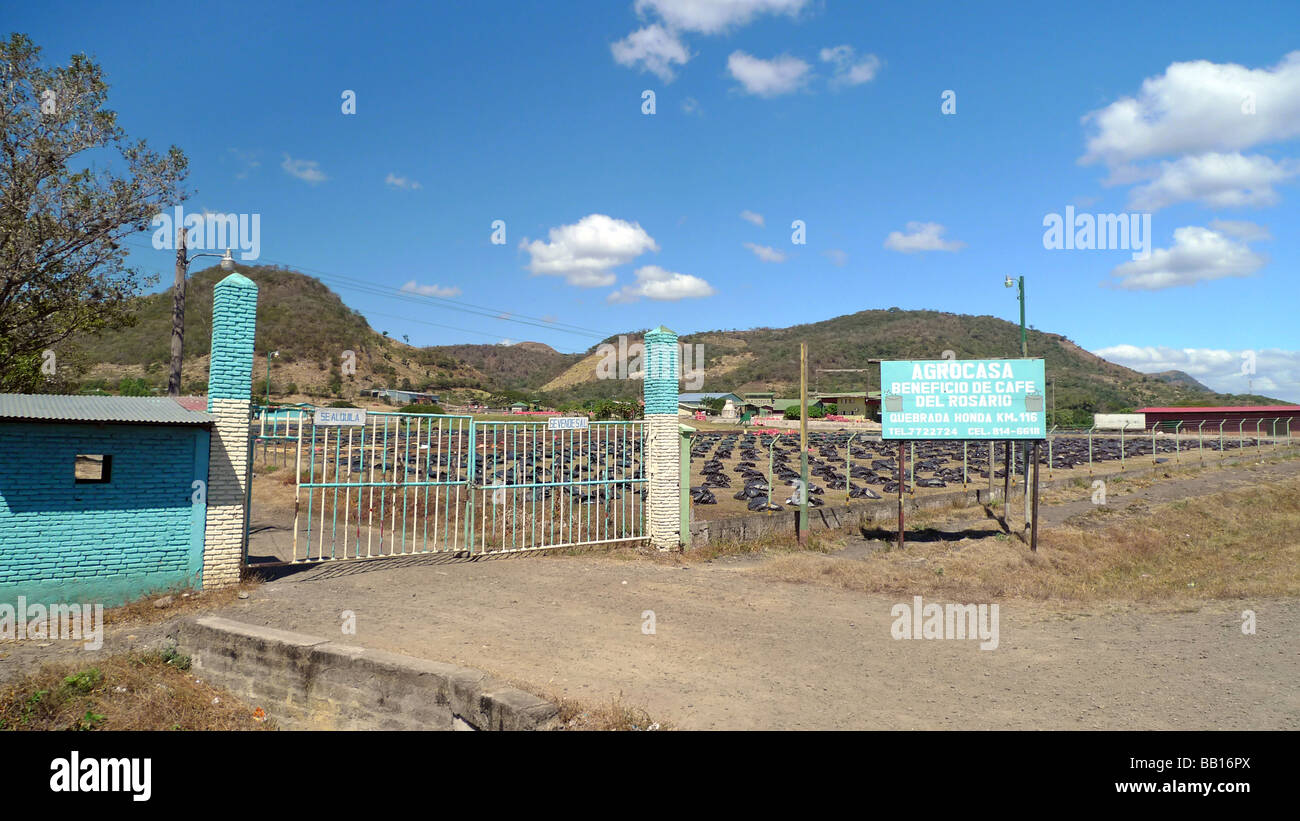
x,y
567,423
349,417
963,399
1119,421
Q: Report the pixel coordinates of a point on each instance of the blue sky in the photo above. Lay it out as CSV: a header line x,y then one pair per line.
x,y
766,112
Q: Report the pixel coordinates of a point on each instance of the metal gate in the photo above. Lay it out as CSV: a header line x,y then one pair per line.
x,y
405,484
538,488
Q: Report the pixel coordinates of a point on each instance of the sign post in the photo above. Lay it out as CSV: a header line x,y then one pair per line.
x,y
950,399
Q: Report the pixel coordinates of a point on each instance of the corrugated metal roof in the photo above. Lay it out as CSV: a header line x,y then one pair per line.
x,y
700,397
142,410
1227,409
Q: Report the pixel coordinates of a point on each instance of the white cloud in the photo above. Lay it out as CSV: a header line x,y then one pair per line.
x,y
715,16
768,78
305,170
446,292
1241,229
750,216
584,253
654,49
1277,372
394,181
691,105
1196,107
1197,255
653,282
849,70
921,236
765,253
836,256
1216,180
247,160
507,342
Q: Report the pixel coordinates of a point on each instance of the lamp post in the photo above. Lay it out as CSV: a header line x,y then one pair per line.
x,y
178,308
269,354
1024,340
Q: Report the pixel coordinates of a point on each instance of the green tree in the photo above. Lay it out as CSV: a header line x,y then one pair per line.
x,y
133,387
62,218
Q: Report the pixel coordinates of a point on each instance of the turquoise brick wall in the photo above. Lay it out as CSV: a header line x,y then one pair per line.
x,y
234,325
110,543
660,385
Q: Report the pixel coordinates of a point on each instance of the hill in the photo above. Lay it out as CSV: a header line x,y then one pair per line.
x,y
767,359
1181,378
525,366
296,315
311,326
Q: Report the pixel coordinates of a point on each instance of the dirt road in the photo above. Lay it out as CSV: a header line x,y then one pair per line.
x,y
731,651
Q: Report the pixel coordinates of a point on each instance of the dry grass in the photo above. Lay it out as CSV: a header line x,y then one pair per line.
x,y
1231,545
615,716
145,610
124,692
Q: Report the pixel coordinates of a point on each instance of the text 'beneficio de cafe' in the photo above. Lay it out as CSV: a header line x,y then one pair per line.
x,y
963,399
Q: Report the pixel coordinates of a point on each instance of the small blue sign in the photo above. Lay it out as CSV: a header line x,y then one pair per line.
x,y
963,399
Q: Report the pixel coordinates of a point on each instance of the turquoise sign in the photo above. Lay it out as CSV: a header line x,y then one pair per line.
x,y
963,399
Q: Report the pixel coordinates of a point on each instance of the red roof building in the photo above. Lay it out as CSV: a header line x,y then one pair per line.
x,y
1248,418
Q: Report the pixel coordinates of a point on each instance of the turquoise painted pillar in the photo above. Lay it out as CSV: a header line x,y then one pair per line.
x,y
662,447
230,384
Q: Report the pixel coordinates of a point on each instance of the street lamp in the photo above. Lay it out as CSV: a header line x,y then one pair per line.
x,y
178,308
1024,341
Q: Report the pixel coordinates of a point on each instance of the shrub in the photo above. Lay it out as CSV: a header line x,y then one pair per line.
x,y
421,409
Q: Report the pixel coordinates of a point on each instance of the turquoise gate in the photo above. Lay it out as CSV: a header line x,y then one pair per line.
x,y
402,484
538,488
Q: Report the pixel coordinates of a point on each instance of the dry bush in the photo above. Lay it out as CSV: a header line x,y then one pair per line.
x,y
125,692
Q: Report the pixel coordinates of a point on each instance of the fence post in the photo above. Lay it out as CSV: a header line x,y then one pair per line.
x,y
230,378
662,450
848,466
1049,452
771,488
688,439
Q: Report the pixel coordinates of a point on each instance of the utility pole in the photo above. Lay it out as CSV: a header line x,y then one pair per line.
x,y
183,261
803,442
178,316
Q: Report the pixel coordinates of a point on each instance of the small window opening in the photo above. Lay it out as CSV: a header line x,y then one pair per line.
x,y
93,468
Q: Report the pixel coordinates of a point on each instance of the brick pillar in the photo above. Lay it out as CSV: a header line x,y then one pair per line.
x,y
662,450
230,384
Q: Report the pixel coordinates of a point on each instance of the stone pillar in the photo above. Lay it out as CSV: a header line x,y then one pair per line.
x,y
230,384
662,449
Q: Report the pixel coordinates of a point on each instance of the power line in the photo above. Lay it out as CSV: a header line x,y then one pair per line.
x,y
355,284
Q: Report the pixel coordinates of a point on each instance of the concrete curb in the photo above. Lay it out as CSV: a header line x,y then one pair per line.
x,y
740,528
307,682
